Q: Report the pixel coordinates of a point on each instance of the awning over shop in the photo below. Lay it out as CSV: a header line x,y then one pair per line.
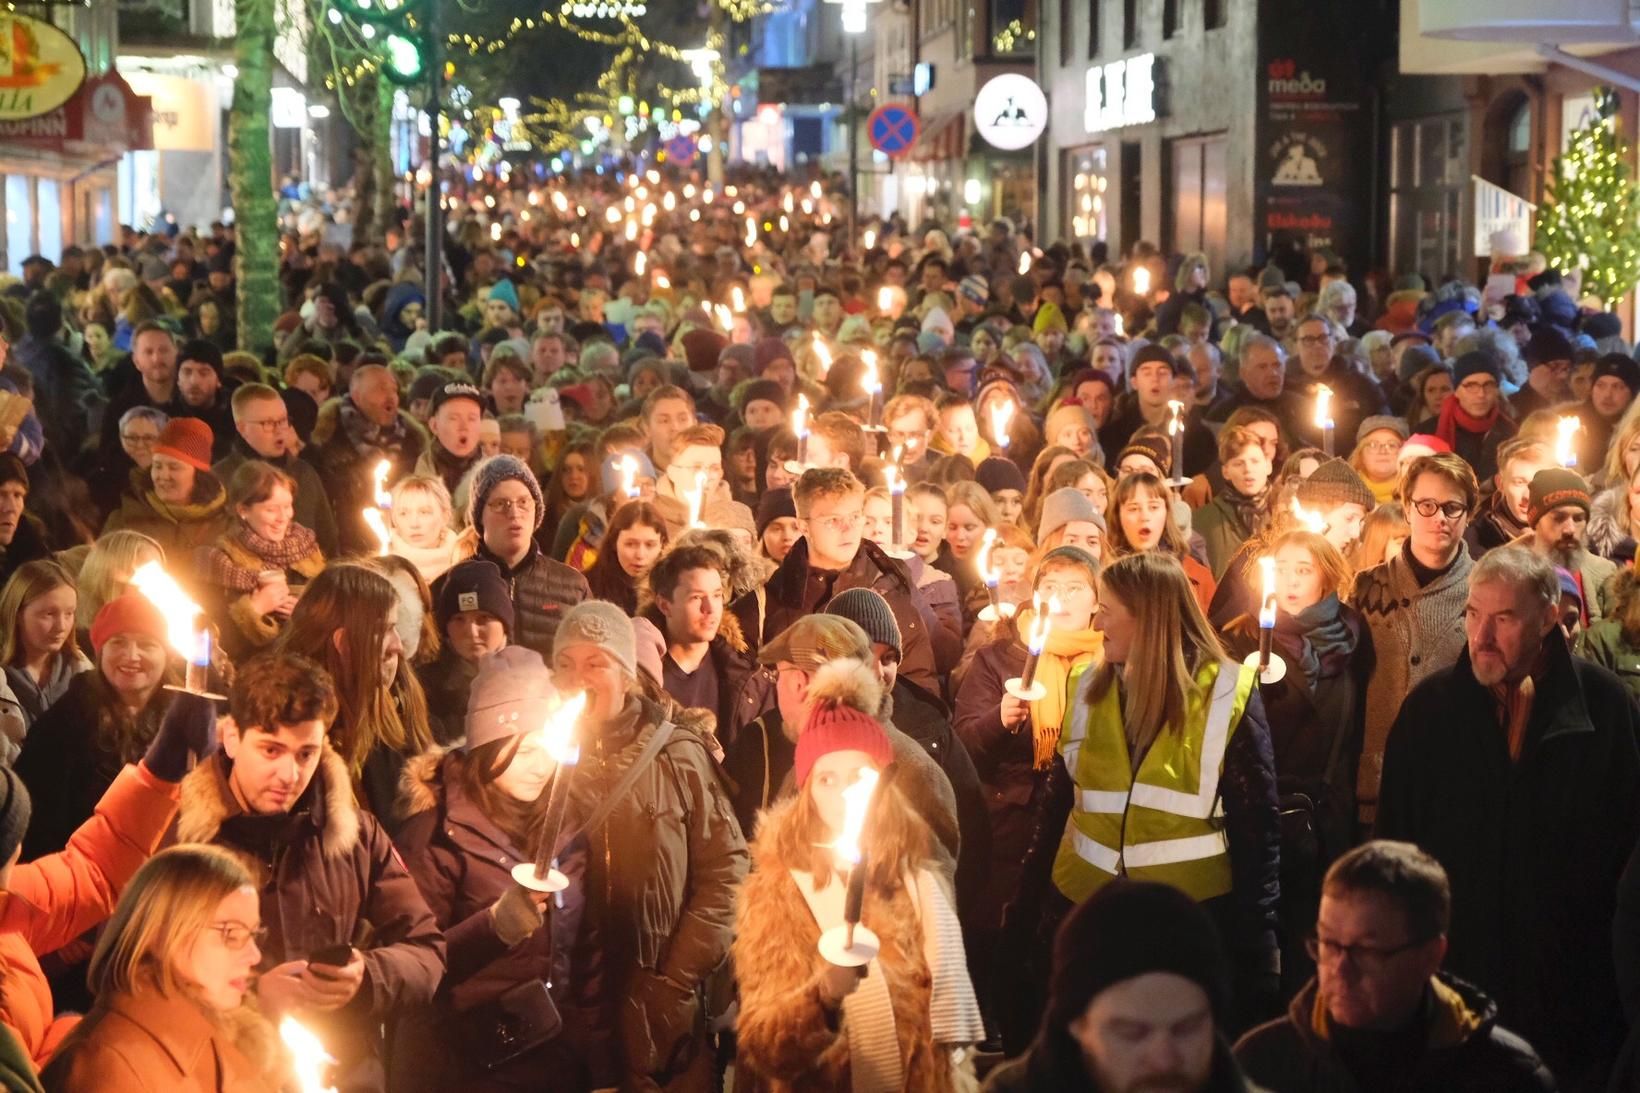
x,y
941,139
103,120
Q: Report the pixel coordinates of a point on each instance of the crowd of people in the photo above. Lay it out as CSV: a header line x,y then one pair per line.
x,y
1183,679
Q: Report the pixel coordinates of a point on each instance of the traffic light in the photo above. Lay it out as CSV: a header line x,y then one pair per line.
x,y
404,58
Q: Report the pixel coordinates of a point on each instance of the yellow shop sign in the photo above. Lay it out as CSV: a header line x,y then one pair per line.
x,y
40,67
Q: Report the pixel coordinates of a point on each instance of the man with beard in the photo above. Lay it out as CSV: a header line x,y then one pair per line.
x,y
1516,768
1503,515
1558,530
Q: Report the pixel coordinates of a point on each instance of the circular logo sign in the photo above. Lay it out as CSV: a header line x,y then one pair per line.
x,y
1010,112
40,67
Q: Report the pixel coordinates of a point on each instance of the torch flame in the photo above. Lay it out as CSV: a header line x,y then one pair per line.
x,y
1041,622
823,355
1309,519
378,527
558,732
1024,262
1001,413
559,201
662,280
1141,281
982,563
629,474
307,1055
751,232
631,231
737,299
870,383
814,189
697,500
384,500
786,202
1267,610
870,239
1565,428
1176,422
639,261
856,804
669,201
800,416
725,318
1323,407
164,593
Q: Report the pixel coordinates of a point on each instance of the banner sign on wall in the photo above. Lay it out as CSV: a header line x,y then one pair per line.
x,y
40,67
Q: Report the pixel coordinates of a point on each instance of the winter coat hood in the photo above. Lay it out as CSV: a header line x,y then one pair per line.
x,y
208,802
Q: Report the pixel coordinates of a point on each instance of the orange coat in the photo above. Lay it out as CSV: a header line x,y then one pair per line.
x,y
146,1041
1201,581
53,900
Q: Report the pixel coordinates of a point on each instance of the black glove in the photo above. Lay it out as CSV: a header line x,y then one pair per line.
x,y
189,728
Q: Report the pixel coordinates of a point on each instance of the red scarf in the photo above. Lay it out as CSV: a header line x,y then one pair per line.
x,y
1453,418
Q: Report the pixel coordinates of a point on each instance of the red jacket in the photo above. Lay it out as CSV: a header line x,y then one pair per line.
x,y
52,900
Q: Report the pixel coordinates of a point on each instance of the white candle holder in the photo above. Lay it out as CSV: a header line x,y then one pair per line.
x,y
834,947
1273,672
1017,688
899,553
526,876
997,613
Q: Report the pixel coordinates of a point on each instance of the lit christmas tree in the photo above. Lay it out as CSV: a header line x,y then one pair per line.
x,y
1590,218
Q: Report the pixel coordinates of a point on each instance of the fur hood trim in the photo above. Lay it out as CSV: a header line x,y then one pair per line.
x,y
206,803
848,681
421,783
330,420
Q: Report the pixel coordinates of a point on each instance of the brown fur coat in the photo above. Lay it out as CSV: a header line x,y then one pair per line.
x,y
790,1041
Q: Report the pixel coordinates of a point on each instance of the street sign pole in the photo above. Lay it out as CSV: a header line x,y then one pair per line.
x,y
434,285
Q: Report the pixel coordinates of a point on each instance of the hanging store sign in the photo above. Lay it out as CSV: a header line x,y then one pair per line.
x,y
40,67
1010,112
1121,93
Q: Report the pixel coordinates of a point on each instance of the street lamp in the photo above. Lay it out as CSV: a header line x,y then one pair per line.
x,y
855,23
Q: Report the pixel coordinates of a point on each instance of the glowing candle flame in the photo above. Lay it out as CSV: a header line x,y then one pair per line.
x,y
180,612
697,500
1002,412
629,475
737,299
648,217
885,298
384,500
891,479
807,206
870,239
707,195
308,1056
869,381
669,201
800,416
1309,519
786,202
814,190
495,232
1024,262
982,562
1267,612
856,806
1041,623
1141,281
575,240
662,280
613,215
559,201
1176,422
1121,327
751,232
1323,407
378,527
823,355
638,263
557,733
631,231
1565,429
725,317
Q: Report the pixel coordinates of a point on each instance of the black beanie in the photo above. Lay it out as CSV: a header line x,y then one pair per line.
x,y
1148,353
1131,928
995,473
773,505
762,391
15,809
1621,366
201,351
1476,362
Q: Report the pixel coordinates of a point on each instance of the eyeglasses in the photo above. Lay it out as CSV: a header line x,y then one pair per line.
x,y
140,440
236,935
1450,509
1381,447
1368,958
1478,386
1064,590
523,506
843,521
274,423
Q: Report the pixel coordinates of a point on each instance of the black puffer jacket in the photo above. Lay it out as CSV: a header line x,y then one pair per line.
x,y
462,863
1466,1051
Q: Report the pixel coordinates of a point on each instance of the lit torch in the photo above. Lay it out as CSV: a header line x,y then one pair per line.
x,y
629,475
308,1058
1025,687
800,427
376,517
1175,432
991,574
872,384
895,480
697,500
1565,429
1141,281
558,739
1271,668
822,354
852,945
737,299
639,263
1323,417
885,299
1309,519
1002,412
1024,262
725,318
185,627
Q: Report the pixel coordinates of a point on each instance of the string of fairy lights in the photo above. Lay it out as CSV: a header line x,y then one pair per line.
x,y
1590,219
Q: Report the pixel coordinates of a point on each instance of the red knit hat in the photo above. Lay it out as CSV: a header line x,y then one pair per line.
x,y
187,439
127,613
835,727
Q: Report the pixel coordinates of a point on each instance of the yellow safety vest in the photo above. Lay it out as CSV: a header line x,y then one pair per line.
x,y
1166,825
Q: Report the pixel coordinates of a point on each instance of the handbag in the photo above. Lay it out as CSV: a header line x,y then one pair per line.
x,y
513,1024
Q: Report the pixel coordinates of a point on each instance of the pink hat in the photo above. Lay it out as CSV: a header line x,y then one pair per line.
x,y
1428,440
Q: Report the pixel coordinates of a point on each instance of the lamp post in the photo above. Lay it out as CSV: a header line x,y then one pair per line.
x,y
855,22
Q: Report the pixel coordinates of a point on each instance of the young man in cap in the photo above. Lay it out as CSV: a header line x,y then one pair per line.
x,y
1613,386
350,938
1516,768
1069,518
352,435
504,504
1137,994
1472,420
1506,514
1150,376
456,410
1548,356
1558,529
833,556
1379,1012
973,294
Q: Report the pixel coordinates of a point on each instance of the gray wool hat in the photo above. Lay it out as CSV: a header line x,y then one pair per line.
x,y
867,608
1396,425
1063,506
512,694
490,474
600,623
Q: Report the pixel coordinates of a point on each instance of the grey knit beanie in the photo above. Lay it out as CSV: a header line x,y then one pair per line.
x,y
1064,505
1396,425
512,694
600,623
867,607
490,474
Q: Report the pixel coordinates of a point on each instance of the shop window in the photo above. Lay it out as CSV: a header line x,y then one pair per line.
x,y
1214,13
1013,27
1170,18
1093,28
1133,184
1089,188
1198,219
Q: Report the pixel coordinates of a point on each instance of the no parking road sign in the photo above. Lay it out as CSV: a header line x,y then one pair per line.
x,y
892,129
682,150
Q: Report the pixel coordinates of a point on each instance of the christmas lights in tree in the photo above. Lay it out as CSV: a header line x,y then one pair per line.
x,y
1590,218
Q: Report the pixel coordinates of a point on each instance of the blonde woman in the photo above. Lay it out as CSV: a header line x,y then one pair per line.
x,y
1614,517
422,528
1164,734
170,974
106,573
38,648
1622,455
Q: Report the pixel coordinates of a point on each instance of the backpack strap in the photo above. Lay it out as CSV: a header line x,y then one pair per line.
x,y
651,750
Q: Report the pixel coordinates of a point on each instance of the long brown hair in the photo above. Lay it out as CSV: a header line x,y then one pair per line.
x,y
475,772
351,602
605,576
1172,640
1336,574
1171,541
31,581
899,839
